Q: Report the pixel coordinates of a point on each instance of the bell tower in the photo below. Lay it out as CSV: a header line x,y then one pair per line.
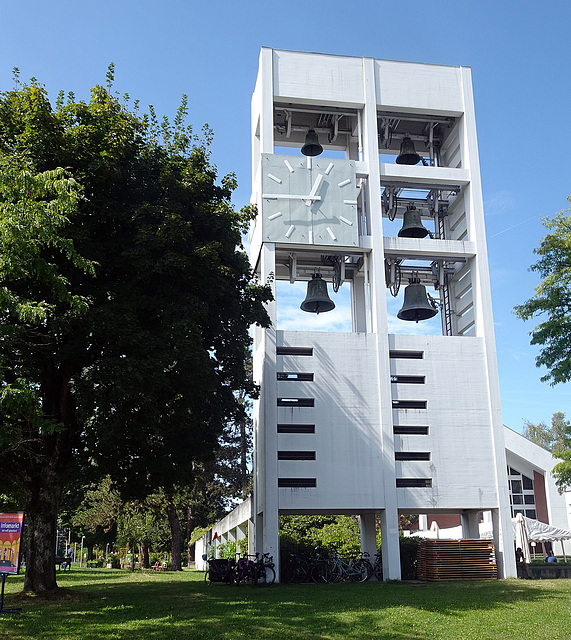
x,y
366,177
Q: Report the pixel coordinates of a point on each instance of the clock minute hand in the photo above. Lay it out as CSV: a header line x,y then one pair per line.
x,y
314,190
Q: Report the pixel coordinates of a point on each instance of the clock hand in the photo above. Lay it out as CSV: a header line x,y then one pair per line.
x,y
314,190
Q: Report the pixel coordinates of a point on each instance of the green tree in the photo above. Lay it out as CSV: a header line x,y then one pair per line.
x,y
126,303
552,300
553,438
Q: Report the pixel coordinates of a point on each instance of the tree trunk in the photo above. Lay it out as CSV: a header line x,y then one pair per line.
x,y
144,555
176,538
40,523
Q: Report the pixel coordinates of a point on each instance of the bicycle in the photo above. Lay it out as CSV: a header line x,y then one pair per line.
x,y
298,569
244,571
352,570
378,567
264,573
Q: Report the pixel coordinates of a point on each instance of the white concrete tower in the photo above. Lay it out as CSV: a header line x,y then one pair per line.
x,y
370,422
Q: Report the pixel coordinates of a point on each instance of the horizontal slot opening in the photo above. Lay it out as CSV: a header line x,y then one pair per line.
x,y
398,379
296,402
406,355
296,455
296,428
410,430
414,482
412,455
409,404
294,351
297,482
302,377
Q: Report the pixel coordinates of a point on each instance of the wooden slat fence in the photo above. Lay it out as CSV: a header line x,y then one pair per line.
x,y
466,559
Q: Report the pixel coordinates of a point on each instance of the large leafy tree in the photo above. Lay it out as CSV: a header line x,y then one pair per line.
x,y
553,438
551,302
125,302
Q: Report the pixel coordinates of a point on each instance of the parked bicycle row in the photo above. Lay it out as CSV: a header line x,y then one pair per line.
x,y
249,570
321,569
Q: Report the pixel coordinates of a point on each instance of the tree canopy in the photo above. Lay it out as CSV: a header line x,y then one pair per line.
x,y
552,300
126,301
554,438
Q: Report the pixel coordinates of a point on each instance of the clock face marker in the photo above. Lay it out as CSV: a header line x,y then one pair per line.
x,y
274,178
328,229
343,220
349,202
328,170
345,182
276,215
290,231
288,165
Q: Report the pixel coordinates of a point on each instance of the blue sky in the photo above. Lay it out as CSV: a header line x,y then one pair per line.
x,y
518,51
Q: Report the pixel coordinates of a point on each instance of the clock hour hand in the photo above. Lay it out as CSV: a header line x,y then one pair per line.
x,y
314,190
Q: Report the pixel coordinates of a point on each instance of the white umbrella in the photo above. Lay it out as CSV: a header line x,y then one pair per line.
x,y
521,539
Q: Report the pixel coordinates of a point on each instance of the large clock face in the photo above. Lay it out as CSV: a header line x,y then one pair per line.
x,y
309,205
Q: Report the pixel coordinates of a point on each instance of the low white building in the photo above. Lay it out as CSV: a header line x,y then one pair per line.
x,y
532,490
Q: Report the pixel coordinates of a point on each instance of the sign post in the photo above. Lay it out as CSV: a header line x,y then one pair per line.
x,y
11,527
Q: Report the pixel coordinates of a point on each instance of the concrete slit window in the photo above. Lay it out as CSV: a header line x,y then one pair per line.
x,y
296,455
409,404
411,430
302,377
296,428
398,379
294,351
413,482
296,402
407,355
412,455
297,482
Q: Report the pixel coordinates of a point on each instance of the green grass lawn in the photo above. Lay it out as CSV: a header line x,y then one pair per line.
x,y
107,603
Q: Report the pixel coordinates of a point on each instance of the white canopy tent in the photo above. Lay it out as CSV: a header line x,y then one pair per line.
x,y
537,531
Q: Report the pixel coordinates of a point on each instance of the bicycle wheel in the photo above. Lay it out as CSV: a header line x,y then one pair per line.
x,y
321,573
360,571
336,573
265,576
250,575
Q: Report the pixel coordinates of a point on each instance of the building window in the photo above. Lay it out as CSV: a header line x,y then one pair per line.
x,y
413,482
398,379
296,402
412,455
522,497
297,482
301,377
406,355
409,404
294,351
411,430
296,455
296,428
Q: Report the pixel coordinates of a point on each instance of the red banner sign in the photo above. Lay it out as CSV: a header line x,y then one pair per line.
x,y
11,526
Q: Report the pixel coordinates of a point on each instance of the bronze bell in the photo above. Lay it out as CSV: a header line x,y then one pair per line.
x,y
311,146
317,299
416,305
412,226
407,153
